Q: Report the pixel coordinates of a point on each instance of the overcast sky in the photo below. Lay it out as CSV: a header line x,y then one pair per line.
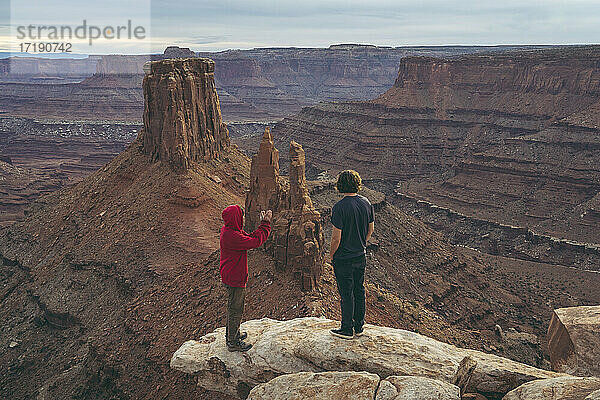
x,y
222,24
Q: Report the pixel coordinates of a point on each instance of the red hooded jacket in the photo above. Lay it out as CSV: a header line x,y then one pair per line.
x,y
234,246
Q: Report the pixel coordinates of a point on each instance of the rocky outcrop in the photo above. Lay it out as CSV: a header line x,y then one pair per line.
x,y
318,386
595,395
298,234
416,388
178,52
267,188
305,345
574,340
296,241
352,385
182,118
560,388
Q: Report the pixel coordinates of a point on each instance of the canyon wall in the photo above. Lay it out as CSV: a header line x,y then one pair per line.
x,y
258,84
509,138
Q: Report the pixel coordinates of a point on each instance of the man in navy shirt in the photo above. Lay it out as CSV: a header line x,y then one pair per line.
x,y
353,223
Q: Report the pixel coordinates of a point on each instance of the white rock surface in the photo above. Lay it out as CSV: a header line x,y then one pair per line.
x,y
305,345
595,395
318,386
561,388
574,340
352,385
416,388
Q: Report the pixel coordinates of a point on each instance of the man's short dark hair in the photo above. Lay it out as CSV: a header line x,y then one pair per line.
x,y
348,181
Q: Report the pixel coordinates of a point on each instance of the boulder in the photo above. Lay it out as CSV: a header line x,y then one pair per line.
x,y
574,340
595,395
305,345
560,388
416,388
319,386
352,385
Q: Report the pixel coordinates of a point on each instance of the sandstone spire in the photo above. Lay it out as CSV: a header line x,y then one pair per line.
x,y
266,187
298,191
296,241
182,117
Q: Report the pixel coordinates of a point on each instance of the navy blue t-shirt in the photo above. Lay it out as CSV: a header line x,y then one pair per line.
x,y
352,215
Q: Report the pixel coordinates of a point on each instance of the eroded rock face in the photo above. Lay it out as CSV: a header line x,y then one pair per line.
x,y
416,388
574,340
477,135
297,239
560,388
595,395
305,345
182,117
267,188
318,386
352,385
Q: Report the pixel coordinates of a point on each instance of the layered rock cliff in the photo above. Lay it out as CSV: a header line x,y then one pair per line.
x,y
508,138
258,84
296,241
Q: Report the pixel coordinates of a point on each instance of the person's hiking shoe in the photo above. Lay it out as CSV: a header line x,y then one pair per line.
x,y
342,334
358,331
238,345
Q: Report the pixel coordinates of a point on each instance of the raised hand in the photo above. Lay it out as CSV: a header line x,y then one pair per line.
x,y
262,215
268,216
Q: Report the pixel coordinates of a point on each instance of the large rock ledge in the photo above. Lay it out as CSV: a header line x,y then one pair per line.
x,y
353,386
305,345
574,340
561,388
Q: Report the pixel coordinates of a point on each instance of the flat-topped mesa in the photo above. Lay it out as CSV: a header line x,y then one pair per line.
x,y
296,241
182,117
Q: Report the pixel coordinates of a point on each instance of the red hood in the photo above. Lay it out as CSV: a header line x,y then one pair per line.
x,y
232,216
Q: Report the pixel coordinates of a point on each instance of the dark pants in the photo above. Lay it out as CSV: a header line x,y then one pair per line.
x,y
350,278
235,309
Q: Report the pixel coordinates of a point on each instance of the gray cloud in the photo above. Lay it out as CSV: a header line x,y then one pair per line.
x,y
218,25
398,22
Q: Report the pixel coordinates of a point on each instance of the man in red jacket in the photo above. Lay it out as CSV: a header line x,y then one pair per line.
x,y
234,267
